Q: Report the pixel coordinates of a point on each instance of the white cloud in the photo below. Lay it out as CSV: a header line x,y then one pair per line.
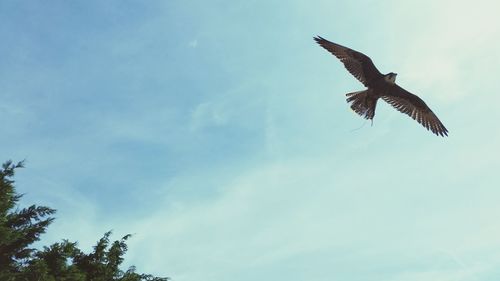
x,y
193,43
207,114
287,210
446,45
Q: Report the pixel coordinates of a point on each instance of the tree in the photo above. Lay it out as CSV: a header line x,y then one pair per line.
x,y
20,228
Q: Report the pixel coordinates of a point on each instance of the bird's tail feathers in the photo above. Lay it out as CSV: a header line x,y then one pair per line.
x,y
362,103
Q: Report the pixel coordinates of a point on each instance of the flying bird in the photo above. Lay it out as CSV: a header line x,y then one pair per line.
x,y
380,86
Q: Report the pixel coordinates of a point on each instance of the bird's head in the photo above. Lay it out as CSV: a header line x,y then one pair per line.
x,y
390,77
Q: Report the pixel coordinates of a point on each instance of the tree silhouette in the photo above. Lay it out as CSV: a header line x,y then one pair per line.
x,y
63,261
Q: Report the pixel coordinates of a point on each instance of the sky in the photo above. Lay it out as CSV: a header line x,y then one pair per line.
x,y
217,133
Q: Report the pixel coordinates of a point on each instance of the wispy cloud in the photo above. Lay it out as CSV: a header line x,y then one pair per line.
x,y
193,43
207,114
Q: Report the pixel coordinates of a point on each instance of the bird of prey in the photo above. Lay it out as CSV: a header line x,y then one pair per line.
x,y
380,86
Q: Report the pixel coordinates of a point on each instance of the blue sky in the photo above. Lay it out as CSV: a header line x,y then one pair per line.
x,y
218,134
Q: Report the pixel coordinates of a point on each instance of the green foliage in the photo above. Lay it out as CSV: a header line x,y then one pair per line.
x,y
18,228
60,261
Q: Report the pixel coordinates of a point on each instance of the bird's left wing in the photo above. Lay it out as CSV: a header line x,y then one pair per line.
x,y
358,64
414,107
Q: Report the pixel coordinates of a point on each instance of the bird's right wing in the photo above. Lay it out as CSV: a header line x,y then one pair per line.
x,y
358,64
414,107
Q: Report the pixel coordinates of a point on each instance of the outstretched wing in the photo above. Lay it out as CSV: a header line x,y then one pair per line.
x,y
358,64
415,107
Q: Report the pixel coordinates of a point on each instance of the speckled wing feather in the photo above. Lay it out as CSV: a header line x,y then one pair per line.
x,y
358,64
414,107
